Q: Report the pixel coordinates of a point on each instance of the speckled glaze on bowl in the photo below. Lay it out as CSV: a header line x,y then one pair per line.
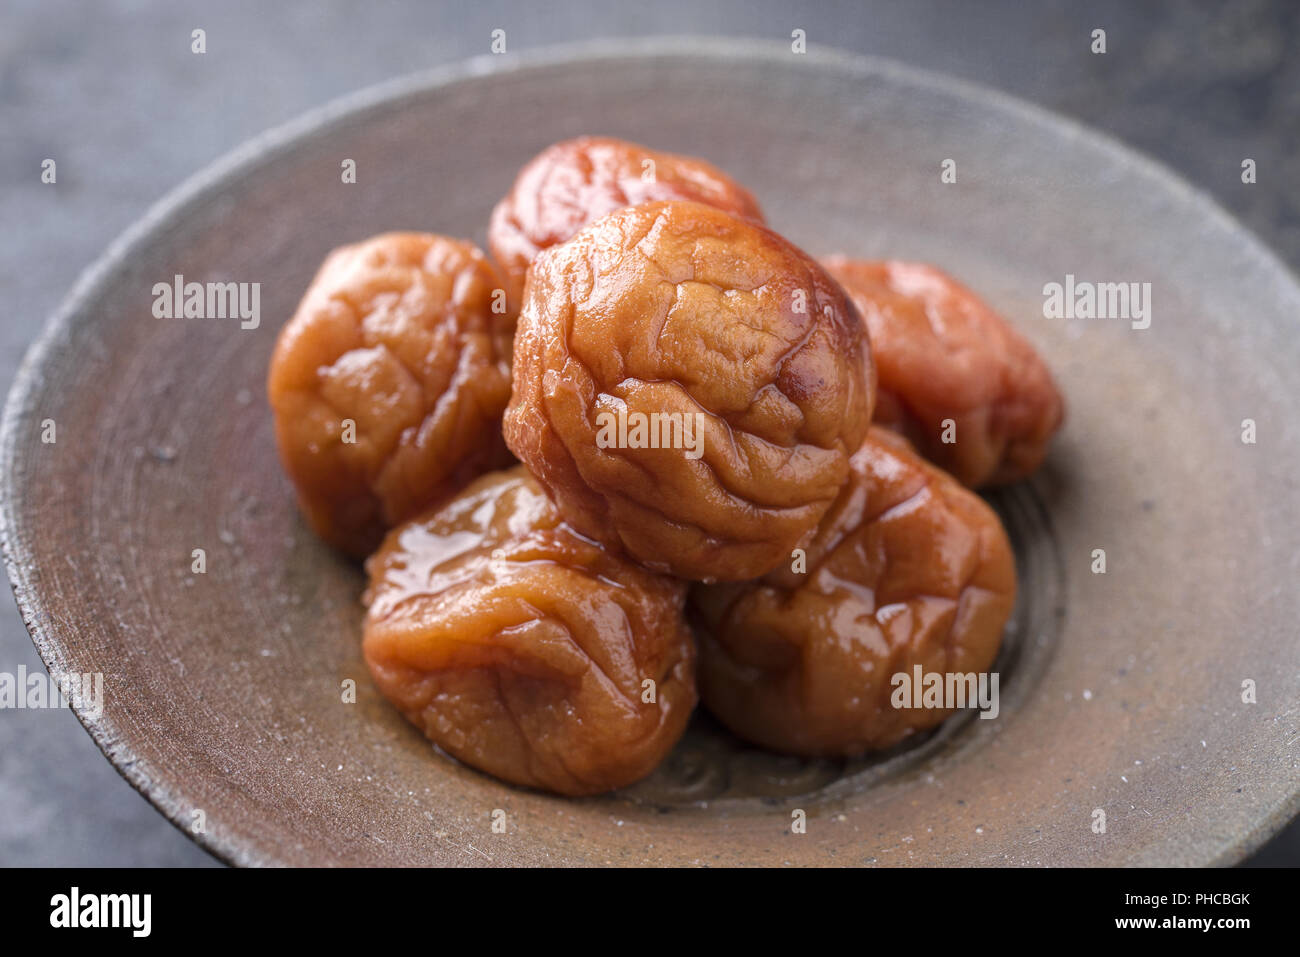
x,y
1122,692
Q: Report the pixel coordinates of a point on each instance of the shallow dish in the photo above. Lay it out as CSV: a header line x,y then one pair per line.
x,y
1122,692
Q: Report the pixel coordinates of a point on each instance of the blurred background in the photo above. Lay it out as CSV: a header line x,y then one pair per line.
x,y
112,90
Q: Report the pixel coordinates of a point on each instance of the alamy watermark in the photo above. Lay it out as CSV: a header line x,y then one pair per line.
x,y
1075,299
179,299
133,912
651,430
38,690
951,690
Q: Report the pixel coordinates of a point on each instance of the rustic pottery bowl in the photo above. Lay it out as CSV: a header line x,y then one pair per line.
x,y
1122,692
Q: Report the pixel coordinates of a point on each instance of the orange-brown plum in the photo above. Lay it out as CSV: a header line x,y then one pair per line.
x,y
524,649
572,183
942,354
389,382
688,387
909,568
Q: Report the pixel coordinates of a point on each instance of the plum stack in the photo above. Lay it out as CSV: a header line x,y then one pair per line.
x,y
719,483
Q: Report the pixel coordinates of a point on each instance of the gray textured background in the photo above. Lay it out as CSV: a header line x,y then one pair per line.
x,y
111,90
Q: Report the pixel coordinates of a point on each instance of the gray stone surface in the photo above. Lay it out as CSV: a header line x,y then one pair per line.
x,y
112,92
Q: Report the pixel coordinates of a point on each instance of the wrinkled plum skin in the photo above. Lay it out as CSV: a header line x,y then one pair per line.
x,y
399,335
575,182
940,354
522,648
679,308
907,568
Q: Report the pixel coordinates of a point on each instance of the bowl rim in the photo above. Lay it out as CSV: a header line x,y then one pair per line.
x,y
263,148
